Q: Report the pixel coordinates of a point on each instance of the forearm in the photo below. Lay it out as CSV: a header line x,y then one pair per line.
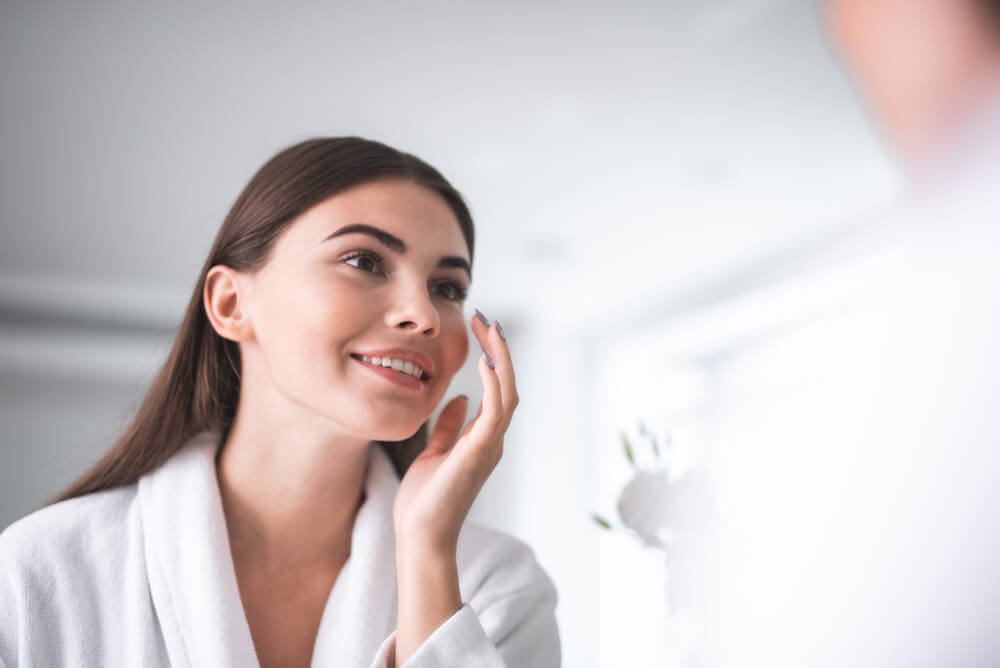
x,y
427,582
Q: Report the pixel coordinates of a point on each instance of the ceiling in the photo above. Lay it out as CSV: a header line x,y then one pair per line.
x,y
612,153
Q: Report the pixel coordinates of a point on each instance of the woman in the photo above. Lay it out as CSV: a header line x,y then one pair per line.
x,y
253,512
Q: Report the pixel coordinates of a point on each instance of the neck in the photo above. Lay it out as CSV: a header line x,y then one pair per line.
x,y
922,136
962,134
290,490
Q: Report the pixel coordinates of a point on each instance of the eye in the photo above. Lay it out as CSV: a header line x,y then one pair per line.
x,y
451,291
366,258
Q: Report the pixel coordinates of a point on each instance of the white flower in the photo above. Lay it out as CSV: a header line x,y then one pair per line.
x,y
679,517
643,506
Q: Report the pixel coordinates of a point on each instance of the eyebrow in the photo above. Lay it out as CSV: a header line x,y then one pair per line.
x,y
397,245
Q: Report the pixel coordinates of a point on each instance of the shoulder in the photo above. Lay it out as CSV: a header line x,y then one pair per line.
x,y
71,531
495,566
72,576
61,565
512,596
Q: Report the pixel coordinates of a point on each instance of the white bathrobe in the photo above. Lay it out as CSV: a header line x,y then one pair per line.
x,y
142,575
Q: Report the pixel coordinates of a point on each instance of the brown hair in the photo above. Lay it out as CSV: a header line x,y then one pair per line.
x,y
990,13
198,387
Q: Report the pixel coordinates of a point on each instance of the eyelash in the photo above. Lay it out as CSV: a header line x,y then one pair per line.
x,y
460,292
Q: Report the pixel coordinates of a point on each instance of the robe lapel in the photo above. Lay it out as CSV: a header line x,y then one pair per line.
x,y
193,580
191,574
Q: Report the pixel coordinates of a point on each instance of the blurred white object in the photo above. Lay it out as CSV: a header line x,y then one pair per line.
x,y
871,540
678,517
644,505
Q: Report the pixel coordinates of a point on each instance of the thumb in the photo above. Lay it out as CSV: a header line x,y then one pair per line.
x,y
472,423
449,422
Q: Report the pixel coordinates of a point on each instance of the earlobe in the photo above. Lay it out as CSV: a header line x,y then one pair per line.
x,y
224,304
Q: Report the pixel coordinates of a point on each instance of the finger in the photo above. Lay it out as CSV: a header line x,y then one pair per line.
x,y
488,334
481,327
504,364
448,425
472,422
491,409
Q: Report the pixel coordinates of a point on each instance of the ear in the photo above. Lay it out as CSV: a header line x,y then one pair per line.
x,y
223,297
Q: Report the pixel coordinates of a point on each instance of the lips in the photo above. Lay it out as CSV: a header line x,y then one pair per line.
x,y
392,375
425,363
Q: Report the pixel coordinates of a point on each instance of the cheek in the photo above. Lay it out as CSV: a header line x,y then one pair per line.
x,y
299,325
456,344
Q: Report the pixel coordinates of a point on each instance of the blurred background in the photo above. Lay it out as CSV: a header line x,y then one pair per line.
x,y
673,201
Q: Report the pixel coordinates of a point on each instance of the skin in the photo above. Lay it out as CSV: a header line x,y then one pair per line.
x,y
292,468
922,65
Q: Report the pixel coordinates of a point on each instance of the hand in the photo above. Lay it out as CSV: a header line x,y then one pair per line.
x,y
440,485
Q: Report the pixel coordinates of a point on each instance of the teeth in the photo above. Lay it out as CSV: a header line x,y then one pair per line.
x,y
403,366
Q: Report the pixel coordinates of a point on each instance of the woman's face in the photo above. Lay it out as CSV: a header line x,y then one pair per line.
x,y
374,271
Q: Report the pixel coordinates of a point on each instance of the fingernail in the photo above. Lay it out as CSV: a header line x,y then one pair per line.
x,y
489,360
500,331
482,317
464,396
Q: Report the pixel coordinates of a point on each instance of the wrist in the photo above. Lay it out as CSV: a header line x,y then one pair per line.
x,y
423,544
423,560
428,594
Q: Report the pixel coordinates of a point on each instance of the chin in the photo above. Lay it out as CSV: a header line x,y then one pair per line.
x,y
395,433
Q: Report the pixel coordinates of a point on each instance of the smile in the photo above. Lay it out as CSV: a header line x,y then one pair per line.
x,y
401,372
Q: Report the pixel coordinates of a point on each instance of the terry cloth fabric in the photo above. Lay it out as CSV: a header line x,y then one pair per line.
x,y
143,575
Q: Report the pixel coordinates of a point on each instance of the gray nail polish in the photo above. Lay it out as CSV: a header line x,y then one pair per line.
x,y
500,331
482,317
489,360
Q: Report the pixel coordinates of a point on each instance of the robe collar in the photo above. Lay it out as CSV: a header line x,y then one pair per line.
x,y
193,581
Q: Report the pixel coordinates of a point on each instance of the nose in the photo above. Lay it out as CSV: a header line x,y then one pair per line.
x,y
413,310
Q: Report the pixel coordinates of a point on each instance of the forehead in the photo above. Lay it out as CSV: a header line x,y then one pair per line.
x,y
415,214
